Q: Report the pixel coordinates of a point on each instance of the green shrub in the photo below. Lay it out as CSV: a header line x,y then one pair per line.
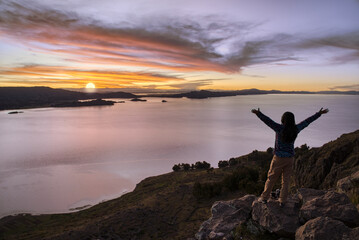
x,y
202,165
176,168
222,164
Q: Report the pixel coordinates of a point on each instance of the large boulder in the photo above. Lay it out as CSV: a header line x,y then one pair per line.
x,y
328,204
349,183
282,221
226,216
325,228
307,194
350,186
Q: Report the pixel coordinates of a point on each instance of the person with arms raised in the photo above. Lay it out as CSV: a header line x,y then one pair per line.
x,y
282,162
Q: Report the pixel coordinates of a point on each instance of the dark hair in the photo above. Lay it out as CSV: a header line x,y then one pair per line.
x,y
290,131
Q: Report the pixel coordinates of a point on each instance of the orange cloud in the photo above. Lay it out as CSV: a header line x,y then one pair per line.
x,y
67,77
56,32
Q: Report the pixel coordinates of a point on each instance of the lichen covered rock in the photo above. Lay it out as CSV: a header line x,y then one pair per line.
x,y
226,215
323,228
330,204
282,221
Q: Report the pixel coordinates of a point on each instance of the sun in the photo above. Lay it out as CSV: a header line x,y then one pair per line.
x,y
90,85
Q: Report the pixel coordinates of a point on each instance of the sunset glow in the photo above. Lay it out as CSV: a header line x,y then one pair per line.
x,y
90,85
181,45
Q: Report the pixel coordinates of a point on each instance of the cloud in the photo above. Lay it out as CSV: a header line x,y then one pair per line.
x,y
69,77
354,87
204,44
348,43
192,85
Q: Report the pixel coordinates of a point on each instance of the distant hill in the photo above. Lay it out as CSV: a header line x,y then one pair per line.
x,y
31,97
210,94
165,206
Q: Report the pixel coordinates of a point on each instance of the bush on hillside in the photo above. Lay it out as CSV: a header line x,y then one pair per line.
x,y
202,165
176,168
223,164
187,167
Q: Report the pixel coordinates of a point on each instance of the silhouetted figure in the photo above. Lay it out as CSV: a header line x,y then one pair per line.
x,y
282,162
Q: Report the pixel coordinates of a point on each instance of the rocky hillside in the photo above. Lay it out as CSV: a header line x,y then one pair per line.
x,y
174,205
322,167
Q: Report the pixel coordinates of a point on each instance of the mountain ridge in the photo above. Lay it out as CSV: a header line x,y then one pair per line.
x,y
35,97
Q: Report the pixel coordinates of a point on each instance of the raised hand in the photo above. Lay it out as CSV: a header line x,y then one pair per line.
x,y
323,111
255,111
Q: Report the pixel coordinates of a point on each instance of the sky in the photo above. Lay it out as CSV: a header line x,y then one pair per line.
x,y
180,45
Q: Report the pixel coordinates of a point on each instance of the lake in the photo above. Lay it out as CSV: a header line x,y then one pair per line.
x,y
57,159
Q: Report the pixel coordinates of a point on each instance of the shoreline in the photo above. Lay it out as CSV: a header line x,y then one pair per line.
x,y
72,207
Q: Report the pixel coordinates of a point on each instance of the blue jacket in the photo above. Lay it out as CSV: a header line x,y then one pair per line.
x,y
282,149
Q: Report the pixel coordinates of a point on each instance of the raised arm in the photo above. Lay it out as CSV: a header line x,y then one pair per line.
x,y
269,122
311,119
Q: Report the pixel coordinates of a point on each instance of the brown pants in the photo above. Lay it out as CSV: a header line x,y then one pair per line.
x,y
279,166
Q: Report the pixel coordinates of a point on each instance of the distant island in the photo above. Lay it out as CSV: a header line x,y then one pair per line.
x,y
210,94
34,97
97,102
138,100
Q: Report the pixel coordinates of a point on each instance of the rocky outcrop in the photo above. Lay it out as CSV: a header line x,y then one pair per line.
x,y
325,228
321,168
350,186
348,183
309,214
225,217
282,221
330,204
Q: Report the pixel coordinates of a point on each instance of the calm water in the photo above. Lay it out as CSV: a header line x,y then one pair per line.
x,y
52,160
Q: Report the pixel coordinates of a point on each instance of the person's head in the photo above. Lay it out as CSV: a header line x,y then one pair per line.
x,y
290,131
288,119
